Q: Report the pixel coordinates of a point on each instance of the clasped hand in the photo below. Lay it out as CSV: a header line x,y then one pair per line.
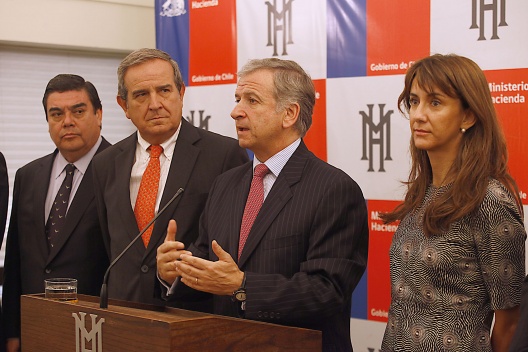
x,y
221,277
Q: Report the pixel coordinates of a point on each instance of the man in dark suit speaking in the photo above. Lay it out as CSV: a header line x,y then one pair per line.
x,y
39,244
297,261
138,175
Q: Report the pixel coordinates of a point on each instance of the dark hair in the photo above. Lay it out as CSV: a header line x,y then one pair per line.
x,y
143,55
482,153
66,82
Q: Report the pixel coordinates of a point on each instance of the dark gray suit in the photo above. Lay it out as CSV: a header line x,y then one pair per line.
x,y
4,198
520,339
79,253
306,251
199,156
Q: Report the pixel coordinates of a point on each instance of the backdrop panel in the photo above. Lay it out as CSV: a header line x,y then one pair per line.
x,y
357,52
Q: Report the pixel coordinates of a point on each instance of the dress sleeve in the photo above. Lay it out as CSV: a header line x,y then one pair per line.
x,y
500,244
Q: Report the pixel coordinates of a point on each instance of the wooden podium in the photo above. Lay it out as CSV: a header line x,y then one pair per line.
x,y
49,325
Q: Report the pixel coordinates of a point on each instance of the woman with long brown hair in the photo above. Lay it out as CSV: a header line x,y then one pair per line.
x,y
457,258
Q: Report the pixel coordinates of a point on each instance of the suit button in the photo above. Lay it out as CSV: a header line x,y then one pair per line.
x,y
272,315
48,270
145,268
259,314
265,314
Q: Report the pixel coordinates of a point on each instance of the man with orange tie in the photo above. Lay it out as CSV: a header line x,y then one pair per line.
x,y
283,239
54,230
138,176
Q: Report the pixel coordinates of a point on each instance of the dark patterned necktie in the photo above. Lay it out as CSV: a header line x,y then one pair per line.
x,y
57,215
253,204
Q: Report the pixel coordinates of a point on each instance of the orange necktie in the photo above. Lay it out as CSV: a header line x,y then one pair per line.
x,y
148,191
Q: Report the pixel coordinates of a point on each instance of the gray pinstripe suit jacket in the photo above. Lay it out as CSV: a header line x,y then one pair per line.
x,y
307,249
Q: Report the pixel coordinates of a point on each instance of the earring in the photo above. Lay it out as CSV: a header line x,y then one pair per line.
x,y
463,130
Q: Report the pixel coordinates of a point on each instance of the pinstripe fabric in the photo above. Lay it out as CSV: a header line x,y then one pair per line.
x,y
306,250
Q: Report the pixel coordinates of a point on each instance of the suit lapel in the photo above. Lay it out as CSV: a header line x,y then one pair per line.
x,y
238,203
41,184
123,163
182,165
83,197
277,198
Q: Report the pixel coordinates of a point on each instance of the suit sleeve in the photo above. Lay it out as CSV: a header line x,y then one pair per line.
x,y
520,339
4,196
12,285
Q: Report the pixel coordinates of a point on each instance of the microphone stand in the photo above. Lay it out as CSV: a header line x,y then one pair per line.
x,y
103,299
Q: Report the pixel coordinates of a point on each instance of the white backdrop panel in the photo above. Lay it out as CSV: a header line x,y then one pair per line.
x,y
215,101
346,99
451,19
308,33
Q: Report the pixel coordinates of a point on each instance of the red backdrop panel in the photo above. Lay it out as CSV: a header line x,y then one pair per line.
x,y
315,139
378,281
509,89
398,33
213,44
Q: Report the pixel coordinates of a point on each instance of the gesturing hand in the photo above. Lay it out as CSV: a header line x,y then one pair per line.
x,y
220,278
168,254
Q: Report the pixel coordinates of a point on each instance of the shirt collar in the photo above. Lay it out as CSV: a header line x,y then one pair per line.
x,y
81,165
277,162
168,145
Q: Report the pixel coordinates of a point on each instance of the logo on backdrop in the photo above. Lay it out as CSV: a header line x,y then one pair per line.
x,y
279,22
376,134
497,9
82,336
200,120
173,8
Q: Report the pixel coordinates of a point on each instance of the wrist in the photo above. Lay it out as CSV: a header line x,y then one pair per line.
x,y
239,295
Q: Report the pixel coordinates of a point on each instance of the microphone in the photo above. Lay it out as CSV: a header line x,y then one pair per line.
x,y
103,299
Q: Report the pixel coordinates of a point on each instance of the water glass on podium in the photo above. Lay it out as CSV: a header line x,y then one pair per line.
x,y
61,289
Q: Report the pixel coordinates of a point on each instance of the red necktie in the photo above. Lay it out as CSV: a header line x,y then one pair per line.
x,y
253,204
148,191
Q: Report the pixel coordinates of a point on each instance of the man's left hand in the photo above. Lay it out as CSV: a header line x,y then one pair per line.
x,y
220,278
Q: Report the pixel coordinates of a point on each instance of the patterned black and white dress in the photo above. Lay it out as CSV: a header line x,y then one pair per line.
x,y
445,287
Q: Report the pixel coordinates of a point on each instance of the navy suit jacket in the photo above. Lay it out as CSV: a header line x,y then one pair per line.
x,y
79,253
199,156
306,251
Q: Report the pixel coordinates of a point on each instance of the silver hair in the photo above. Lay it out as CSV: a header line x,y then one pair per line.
x,y
291,85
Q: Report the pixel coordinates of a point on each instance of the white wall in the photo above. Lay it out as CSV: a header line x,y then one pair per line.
x,y
93,25
90,27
